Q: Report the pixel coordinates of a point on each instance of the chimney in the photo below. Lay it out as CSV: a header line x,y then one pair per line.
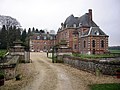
x,y
90,14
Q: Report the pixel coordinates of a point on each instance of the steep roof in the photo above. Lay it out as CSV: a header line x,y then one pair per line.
x,y
71,20
94,31
83,21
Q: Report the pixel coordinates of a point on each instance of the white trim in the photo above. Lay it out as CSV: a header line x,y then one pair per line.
x,y
90,30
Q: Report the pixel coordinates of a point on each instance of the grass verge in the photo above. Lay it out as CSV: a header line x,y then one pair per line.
x,y
112,86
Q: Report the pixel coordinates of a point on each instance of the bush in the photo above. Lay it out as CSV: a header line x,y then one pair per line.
x,y
1,76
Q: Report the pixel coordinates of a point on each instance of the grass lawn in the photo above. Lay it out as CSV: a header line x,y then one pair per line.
x,y
115,51
2,52
113,86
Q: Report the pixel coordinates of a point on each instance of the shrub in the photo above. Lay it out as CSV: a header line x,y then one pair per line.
x,y
1,76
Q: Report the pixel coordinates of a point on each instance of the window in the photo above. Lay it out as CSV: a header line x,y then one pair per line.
x,y
66,25
80,24
45,38
38,37
102,43
75,46
96,33
74,25
84,44
93,43
51,38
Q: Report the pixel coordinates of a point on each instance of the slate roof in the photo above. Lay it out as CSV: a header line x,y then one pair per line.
x,y
83,20
71,20
94,31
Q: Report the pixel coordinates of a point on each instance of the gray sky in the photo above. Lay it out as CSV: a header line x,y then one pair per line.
x,y
48,14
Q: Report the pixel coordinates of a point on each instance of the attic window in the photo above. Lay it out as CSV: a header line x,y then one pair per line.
x,y
80,24
51,38
38,37
74,25
66,25
45,37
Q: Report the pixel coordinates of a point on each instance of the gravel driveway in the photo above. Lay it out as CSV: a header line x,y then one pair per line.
x,y
52,76
42,74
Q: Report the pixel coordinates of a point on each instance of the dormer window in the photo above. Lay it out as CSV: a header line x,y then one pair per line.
x,y
66,25
38,37
80,24
74,25
45,37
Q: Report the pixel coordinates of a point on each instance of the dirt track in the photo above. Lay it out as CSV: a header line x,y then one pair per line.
x,y
52,76
55,76
42,74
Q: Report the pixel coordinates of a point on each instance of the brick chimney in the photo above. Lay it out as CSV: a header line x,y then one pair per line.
x,y
90,14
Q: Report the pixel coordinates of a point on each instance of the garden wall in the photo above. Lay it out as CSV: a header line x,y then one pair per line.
x,y
108,68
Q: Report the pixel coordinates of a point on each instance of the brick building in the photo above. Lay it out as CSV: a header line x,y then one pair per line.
x,y
42,41
83,35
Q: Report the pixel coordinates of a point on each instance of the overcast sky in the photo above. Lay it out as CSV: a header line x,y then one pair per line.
x,y
48,14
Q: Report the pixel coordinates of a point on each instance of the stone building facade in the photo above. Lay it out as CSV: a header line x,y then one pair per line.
x,y
83,35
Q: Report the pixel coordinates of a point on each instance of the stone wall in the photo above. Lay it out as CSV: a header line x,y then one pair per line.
x,y
10,67
107,68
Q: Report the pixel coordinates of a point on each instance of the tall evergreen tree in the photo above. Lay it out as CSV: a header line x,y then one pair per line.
x,y
33,29
18,34
37,31
24,35
3,38
29,31
42,31
11,35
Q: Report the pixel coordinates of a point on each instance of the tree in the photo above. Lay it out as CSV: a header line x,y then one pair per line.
x,y
24,35
37,31
3,38
18,34
33,29
29,31
42,31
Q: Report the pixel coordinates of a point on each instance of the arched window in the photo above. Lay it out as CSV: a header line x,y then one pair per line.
x,y
84,44
102,44
93,43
